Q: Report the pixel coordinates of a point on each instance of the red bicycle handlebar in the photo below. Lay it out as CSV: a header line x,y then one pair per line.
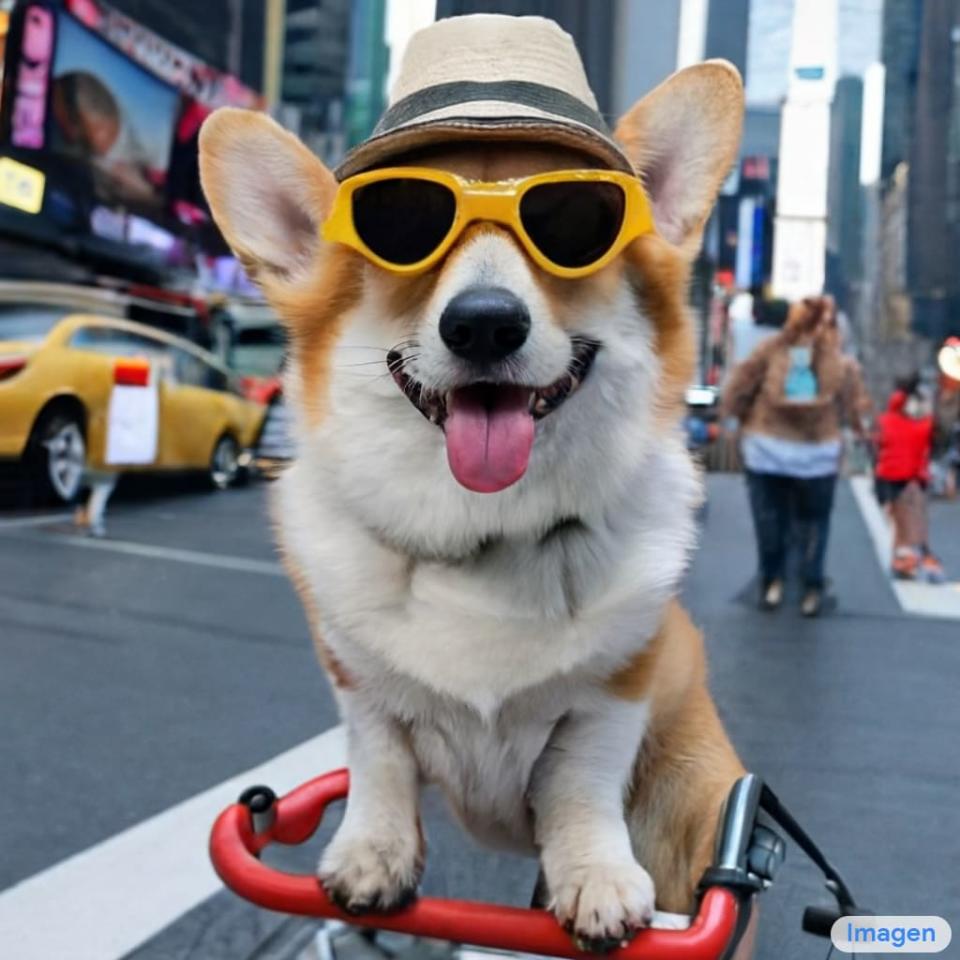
x,y
235,846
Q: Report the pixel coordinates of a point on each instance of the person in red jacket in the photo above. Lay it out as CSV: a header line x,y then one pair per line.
x,y
904,441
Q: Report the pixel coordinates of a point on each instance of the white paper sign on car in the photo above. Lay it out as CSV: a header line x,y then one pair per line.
x,y
133,416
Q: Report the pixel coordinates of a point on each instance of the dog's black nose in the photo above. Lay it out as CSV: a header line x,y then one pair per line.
x,y
484,324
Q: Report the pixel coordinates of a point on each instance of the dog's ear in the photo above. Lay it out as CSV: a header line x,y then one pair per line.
x,y
683,138
268,193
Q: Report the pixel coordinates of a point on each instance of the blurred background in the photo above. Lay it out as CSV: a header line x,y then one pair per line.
x,y
145,667
847,179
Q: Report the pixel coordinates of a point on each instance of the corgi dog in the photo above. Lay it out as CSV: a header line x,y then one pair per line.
x,y
492,504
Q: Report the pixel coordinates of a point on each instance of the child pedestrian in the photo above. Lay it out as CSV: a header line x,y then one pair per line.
x,y
904,441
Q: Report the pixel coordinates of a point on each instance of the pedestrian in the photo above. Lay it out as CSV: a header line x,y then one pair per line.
x,y
132,431
91,516
904,440
792,396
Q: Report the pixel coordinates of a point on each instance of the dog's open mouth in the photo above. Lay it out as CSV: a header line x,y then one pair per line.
x,y
489,427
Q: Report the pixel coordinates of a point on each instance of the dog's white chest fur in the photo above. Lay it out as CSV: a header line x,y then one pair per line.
x,y
484,764
517,611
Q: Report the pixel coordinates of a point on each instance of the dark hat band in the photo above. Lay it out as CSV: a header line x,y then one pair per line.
x,y
518,92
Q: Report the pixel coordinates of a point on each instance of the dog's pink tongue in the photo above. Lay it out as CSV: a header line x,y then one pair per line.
x,y
489,433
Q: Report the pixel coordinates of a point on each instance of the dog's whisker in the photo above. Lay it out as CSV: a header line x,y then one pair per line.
x,y
359,363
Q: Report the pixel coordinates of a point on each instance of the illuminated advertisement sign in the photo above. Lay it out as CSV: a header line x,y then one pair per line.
x,y
101,117
165,60
33,71
21,186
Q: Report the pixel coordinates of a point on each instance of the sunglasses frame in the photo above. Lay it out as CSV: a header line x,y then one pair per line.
x,y
492,202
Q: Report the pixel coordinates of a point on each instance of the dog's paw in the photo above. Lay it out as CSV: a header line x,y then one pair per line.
x,y
362,873
603,905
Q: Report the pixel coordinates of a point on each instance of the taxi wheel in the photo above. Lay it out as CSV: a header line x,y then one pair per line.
x,y
224,463
58,457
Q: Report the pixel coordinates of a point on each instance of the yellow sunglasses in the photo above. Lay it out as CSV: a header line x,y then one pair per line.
x,y
570,222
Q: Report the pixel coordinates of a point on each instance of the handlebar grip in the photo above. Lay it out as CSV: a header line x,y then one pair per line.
x,y
820,920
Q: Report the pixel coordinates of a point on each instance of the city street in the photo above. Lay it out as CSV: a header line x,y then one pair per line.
x,y
237,232
147,678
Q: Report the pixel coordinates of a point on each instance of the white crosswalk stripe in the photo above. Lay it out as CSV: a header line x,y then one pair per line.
x,y
107,900
923,599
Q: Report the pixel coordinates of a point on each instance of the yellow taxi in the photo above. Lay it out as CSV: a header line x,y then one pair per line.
x,y
59,376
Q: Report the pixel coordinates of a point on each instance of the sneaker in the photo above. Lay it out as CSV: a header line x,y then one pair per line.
x,y
906,563
812,603
772,595
931,569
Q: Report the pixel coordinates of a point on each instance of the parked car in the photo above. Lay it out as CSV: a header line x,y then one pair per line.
x,y
254,345
57,370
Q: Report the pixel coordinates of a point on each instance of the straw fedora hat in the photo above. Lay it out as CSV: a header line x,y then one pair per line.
x,y
948,359
489,76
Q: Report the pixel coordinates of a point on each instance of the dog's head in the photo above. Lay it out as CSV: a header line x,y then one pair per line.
x,y
485,374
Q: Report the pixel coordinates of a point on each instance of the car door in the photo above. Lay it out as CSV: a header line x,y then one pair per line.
x,y
194,405
103,344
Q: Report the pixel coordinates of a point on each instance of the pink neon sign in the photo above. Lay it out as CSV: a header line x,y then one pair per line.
x,y
33,77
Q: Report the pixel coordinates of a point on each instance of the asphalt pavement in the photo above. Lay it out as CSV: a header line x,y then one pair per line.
x,y
143,674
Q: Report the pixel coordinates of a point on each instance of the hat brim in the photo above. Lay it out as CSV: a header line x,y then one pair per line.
x,y
382,148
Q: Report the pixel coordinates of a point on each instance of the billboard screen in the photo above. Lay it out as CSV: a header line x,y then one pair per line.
x,y
100,119
113,116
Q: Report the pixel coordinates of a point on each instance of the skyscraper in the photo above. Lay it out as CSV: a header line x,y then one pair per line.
x,y
589,23
844,196
366,69
933,217
799,246
728,30
335,62
900,54
645,43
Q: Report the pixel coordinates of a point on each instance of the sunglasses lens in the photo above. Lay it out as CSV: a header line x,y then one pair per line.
x,y
573,224
403,220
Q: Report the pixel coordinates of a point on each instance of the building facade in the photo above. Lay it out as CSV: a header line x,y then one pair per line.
x,y
227,34
900,51
933,210
728,32
800,238
334,71
844,195
590,24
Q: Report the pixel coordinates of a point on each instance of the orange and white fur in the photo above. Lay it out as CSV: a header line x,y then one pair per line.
x,y
523,649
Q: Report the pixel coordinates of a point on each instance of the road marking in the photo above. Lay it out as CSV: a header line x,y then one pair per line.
x,y
922,599
109,899
879,528
43,520
176,554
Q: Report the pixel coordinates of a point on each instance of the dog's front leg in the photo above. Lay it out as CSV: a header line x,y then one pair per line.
x,y
598,891
375,859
